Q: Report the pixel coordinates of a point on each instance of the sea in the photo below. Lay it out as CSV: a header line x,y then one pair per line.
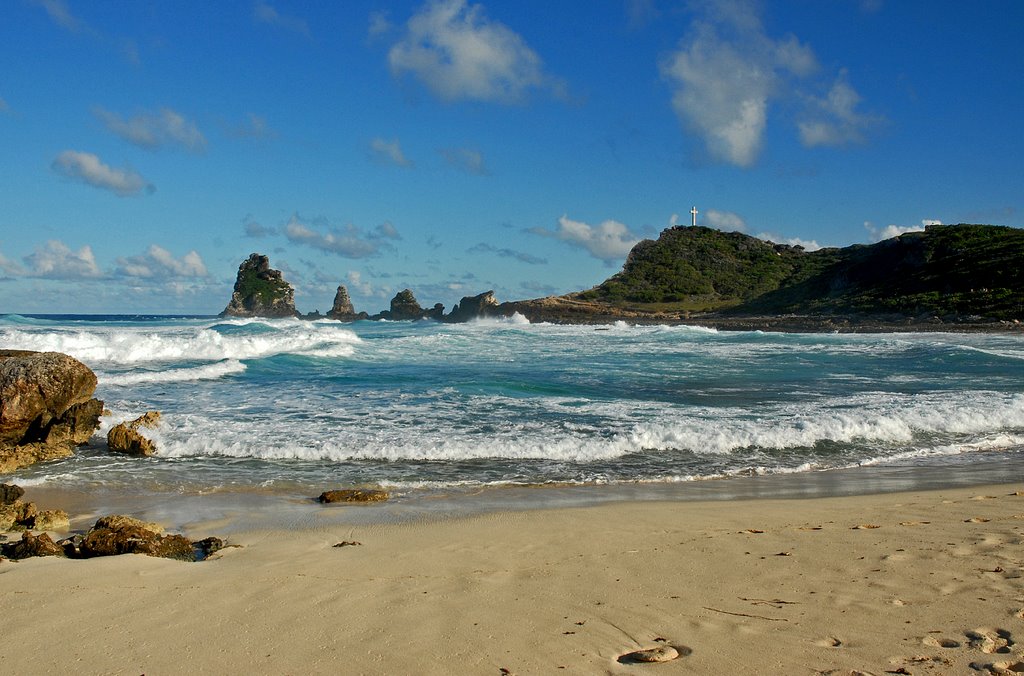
x,y
274,411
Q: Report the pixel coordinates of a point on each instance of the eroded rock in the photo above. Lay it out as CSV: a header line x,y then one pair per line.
x,y
32,545
126,438
125,535
260,291
353,495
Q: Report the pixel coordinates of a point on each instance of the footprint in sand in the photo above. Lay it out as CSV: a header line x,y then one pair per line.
x,y
990,641
830,642
661,653
1006,668
937,642
977,519
865,526
914,523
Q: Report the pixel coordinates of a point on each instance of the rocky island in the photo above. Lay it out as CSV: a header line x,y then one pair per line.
x,y
964,276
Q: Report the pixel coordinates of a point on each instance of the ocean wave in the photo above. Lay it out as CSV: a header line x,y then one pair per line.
x,y
180,375
129,345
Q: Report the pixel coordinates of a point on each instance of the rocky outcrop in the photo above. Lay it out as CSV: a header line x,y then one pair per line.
x,y
32,545
18,515
124,535
342,309
126,438
353,495
474,307
260,291
405,307
46,407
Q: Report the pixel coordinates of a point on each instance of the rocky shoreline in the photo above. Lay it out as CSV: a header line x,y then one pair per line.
x,y
262,292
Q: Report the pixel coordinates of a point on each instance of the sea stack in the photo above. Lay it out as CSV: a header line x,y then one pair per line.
x,y
343,310
260,291
474,307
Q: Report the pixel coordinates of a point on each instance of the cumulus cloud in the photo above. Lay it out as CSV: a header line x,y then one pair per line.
x,y
834,120
55,260
88,168
465,159
459,54
389,152
159,263
264,12
522,256
360,287
728,71
724,220
608,241
347,242
890,231
153,130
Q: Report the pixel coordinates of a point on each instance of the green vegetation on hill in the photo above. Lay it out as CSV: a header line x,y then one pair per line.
x,y
945,270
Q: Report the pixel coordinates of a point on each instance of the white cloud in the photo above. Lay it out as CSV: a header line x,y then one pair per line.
x,y
88,168
154,130
890,231
61,15
256,229
350,242
608,241
379,24
9,267
54,260
726,221
264,12
160,263
808,244
834,120
465,159
389,152
521,256
728,72
388,231
360,287
459,54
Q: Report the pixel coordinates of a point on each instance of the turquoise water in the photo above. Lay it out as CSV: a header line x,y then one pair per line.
x,y
293,406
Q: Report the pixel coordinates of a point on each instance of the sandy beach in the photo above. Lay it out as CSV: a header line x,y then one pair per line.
x,y
924,582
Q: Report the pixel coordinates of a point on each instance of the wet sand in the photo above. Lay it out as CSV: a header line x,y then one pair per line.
x,y
925,581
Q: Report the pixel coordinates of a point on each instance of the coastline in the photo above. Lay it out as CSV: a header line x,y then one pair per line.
x,y
924,581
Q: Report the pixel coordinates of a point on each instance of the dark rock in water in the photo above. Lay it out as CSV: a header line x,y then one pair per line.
x,y
32,545
126,438
260,291
404,307
9,493
207,546
436,313
474,307
353,495
125,535
342,309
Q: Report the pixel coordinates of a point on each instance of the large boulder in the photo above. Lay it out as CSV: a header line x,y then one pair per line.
x,y
126,438
260,291
125,535
353,495
46,407
474,307
32,545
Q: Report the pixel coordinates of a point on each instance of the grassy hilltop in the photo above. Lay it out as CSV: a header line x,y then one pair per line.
x,y
947,270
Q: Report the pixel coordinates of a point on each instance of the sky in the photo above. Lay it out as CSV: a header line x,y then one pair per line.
x,y
454,147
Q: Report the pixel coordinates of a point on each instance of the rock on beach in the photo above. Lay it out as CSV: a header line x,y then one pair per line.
x,y
353,495
126,438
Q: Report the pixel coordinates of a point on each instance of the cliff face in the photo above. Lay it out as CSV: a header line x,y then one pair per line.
x,y
260,291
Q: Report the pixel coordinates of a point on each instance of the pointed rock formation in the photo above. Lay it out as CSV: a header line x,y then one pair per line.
x,y
343,310
260,291
404,307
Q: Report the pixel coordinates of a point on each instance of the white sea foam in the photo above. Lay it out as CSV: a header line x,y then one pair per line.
x,y
207,372
130,345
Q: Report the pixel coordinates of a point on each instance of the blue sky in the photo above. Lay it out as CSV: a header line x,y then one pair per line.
x,y
146,148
